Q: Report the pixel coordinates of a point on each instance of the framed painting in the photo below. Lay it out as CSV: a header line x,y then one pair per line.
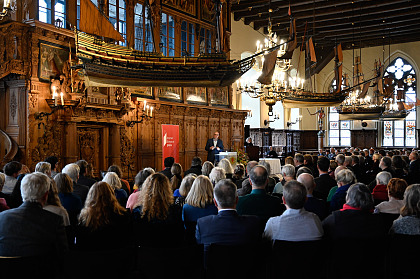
x,y
52,60
219,96
187,6
171,93
145,91
196,95
207,10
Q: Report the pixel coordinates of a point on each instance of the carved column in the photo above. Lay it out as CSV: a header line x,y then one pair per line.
x,y
70,147
115,145
16,110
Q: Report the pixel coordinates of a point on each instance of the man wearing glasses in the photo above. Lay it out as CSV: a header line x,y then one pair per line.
x,y
213,147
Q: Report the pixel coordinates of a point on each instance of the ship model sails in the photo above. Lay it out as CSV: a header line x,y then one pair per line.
x,y
109,64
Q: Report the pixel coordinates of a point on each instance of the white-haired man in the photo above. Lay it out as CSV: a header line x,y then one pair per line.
x,y
30,230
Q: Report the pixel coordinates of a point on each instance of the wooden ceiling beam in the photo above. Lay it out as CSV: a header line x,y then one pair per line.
x,y
245,5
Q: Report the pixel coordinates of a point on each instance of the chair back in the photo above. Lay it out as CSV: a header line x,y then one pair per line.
x,y
403,267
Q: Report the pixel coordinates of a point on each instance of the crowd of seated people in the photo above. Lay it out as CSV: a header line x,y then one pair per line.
x,y
348,193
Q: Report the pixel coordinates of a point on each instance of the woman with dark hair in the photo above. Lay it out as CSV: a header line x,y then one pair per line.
x,y
409,221
138,183
71,202
103,223
156,217
398,163
176,171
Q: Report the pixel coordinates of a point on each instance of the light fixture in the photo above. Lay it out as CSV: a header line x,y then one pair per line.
x,y
298,119
146,114
276,117
6,8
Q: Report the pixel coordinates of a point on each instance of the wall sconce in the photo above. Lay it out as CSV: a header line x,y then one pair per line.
x,y
267,122
6,8
298,119
146,114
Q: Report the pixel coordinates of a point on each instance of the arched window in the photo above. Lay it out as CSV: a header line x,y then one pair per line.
x,y
338,130
401,132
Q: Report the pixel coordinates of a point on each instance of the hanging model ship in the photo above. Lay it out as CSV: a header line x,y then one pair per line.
x,y
109,64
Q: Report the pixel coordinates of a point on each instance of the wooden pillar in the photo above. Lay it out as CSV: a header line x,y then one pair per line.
x,y
115,145
70,152
16,110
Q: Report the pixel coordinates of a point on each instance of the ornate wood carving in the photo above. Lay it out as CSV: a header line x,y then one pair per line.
x,y
49,144
89,142
127,152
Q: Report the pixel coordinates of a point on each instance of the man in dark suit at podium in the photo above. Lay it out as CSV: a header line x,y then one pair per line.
x,y
214,146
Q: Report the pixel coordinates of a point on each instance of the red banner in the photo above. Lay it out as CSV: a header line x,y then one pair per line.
x,y
170,142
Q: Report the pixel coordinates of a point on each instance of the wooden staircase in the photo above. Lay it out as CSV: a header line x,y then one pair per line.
x,y
8,148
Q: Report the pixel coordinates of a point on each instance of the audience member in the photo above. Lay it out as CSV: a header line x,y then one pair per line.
x,y
356,167
114,181
167,163
53,203
71,202
298,161
414,168
340,158
3,201
176,171
238,175
295,224
331,169
312,204
323,182
380,192
271,153
181,194
29,230
216,175
386,165
54,164
345,179
72,170
195,167
258,202
124,183
15,199
396,188
303,169
399,165
43,167
288,174
11,170
289,161
156,217
227,167
138,183
409,222
227,227
103,223
199,203
355,220
83,175
271,181
308,162
206,168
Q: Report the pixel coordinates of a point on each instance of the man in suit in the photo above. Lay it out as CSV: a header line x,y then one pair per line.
x,y
324,182
312,204
167,163
414,168
295,224
30,230
83,165
271,153
299,160
258,202
195,167
214,146
227,227
79,190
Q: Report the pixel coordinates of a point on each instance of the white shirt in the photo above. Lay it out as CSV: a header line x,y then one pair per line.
x,y
215,142
9,184
294,225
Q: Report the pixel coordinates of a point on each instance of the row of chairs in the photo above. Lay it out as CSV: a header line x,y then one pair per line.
x,y
390,258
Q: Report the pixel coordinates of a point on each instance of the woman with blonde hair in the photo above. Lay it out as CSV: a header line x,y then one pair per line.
x,y
206,168
114,181
186,184
199,203
103,222
156,215
176,179
227,166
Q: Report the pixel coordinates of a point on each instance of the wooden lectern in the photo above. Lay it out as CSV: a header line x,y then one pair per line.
x,y
253,152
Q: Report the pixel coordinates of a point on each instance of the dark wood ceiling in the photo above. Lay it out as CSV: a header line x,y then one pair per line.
x,y
353,23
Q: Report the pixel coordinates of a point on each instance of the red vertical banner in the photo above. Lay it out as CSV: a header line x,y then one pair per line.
x,y
170,142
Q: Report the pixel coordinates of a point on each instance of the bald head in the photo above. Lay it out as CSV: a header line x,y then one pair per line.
x,y
258,177
308,181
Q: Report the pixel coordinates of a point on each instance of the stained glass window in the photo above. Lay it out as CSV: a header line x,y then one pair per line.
x,y
398,133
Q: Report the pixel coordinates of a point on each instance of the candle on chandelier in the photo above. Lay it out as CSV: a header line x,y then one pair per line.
x,y
147,110
62,98
151,111
144,105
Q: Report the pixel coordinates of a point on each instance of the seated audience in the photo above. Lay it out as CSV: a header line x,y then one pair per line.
x,y
396,188
308,161
271,153
103,223
138,182
71,202
11,170
414,168
295,224
409,222
345,178
114,181
124,183
380,192
398,164
216,175
83,175
53,203
72,170
176,171
156,217
238,175
227,167
258,202
3,202
355,220
331,169
323,182
206,168
298,161
288,174
181,193
312,204
167,163
303,169
54,164
195,167
227,227
289,161
199,203
29,230
43,167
